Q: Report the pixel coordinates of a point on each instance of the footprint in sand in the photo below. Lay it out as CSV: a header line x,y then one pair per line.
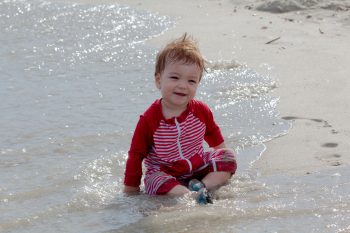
x,y
330,144
325,123
333,158
330,159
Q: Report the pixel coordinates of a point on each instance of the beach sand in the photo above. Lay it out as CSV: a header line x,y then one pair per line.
x,y
306,51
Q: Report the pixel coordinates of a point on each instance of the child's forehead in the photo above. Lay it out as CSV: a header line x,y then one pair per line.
x,y
175,62
181,63
185,69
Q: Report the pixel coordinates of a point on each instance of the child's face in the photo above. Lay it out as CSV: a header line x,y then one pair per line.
x,y
178,83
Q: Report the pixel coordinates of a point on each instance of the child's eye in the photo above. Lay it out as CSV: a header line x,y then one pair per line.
x,y
174,77
192,81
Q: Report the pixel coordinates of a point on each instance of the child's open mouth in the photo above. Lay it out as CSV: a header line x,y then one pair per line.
x,y
179,94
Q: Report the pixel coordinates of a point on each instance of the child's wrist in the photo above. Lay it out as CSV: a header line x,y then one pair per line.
x,y
131,189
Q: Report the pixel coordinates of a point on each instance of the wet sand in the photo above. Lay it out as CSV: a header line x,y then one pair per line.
x,y
306,51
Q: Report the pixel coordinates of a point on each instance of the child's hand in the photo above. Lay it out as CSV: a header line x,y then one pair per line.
x,y
131,189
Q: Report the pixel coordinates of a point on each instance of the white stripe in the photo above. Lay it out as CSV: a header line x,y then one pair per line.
x,y
214,165
178,138
179,145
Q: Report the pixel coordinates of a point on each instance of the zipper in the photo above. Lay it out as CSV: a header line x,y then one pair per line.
x,y
179,144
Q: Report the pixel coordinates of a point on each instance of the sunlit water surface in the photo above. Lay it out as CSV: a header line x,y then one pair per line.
x,y
74,79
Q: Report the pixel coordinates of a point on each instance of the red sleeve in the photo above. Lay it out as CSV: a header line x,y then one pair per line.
x,y
138,151
213,135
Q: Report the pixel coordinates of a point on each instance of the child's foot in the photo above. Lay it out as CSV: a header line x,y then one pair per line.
x,y
203,196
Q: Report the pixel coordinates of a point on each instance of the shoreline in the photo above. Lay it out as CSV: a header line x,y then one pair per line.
x,y
304,51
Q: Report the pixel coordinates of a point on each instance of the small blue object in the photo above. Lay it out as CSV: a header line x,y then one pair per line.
x,y
195,185
204,197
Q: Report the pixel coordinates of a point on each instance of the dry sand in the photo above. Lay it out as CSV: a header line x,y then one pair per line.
x,y
309,59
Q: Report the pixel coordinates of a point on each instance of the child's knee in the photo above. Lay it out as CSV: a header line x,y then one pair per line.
x,y
228,154
227,161
167,186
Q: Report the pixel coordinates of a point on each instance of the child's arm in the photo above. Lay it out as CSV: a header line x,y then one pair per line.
x,y
213,135
133,173
137,152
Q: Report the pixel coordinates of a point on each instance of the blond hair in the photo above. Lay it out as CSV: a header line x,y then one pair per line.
x,y
183,49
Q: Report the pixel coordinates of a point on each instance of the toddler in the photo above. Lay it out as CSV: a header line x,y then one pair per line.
x,y
169,135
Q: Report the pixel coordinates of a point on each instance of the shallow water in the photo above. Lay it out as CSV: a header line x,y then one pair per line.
x,y
74,80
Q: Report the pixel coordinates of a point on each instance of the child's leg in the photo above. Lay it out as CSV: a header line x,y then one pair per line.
x,y
178,190
167,185
222,165
172,187
215,180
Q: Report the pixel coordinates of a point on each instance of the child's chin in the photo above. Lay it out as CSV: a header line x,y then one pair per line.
x,y
181,103
180,99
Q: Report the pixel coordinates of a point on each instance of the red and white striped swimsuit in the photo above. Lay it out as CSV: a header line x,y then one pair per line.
x,y
172,148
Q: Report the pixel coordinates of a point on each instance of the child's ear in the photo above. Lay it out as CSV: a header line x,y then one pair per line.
x,y
157,80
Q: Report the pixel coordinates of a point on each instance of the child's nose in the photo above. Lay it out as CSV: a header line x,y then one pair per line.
x,y
182,84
